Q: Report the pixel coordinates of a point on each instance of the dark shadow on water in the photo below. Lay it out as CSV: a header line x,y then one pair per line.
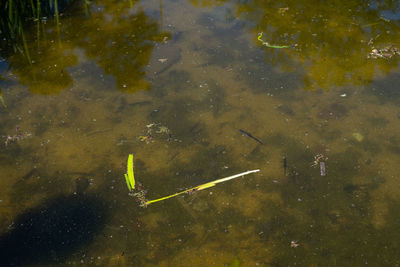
x,y
52,231
385,90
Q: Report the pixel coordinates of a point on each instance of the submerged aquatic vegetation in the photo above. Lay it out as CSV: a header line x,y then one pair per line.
x,y
2,100
151,131
386,52
16,14
19,135
259,38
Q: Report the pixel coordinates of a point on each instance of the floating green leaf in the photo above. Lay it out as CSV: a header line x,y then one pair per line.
x,y
130,178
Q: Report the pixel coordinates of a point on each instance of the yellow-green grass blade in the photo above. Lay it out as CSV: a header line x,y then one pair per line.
x,y
127,182
203,186
130,174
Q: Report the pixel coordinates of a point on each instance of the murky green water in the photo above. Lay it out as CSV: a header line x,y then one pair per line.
x,y
79,95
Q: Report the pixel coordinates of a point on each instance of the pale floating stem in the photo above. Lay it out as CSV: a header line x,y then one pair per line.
x,y
270,45
203,186
233,176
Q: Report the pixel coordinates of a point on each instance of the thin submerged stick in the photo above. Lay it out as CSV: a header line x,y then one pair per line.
x,y
250,136
203,186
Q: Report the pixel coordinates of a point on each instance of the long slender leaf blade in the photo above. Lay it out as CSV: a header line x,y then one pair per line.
x,y
127,182
131,176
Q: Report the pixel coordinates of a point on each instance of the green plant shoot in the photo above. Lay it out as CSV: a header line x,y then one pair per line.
x,y
129,176
269,45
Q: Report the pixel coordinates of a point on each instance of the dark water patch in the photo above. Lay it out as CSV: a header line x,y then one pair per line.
x,y
325,133
139,103
394,144
368,145
219,56
223,14
385,90
175,116
49,111
16,152
378,179
258,154
286,110
311,191
229,217
277,226
41,127
38,183
116,104
345,164
52,231
378,122
164,56
82,184
125,144
73,112
33,173
333,111
174,81
336,212
5,159
173,242
207,163
350,188
295,152
206,21
276,140
176,36
179,80
219,52
394,149
215,99
263,79
122,108
44,117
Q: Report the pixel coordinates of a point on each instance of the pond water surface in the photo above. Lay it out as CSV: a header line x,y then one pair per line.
x,y
172,82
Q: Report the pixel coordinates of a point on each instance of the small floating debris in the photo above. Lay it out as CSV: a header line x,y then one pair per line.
x,y
283,10
153,129
270,45
386,52
320,159
294,244
18,136
359,137
145,138
322,168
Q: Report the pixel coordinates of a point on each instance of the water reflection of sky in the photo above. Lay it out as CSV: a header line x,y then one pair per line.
x,y
98,81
